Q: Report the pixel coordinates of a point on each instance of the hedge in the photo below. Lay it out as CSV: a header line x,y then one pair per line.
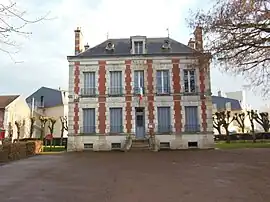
x,y
19,150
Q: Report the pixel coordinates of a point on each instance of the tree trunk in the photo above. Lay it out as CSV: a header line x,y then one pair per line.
x,y
62,134
228,138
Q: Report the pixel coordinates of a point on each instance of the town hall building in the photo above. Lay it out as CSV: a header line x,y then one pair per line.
x,y
139,86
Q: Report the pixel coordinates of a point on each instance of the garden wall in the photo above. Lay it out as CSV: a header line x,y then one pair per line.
x,y
19,150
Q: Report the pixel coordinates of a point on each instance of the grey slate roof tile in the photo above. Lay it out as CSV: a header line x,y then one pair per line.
x,y
122,47
221,103
51,97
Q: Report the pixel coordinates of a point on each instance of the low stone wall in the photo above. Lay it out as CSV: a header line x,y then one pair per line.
x,y
19,150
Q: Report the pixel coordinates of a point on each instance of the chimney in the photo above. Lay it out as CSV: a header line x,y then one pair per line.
x,y
198,38
219,93
86,47
191,43
78,40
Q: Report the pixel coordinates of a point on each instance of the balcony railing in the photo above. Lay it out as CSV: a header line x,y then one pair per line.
x,y
88,92
115,91
116,129
192,128
163,91
88,130
137,90
191,91
161,129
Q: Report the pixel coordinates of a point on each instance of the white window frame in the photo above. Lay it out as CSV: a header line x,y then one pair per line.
x,y
162,81
188,75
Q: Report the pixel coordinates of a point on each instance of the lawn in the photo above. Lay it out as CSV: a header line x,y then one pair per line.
x,y
53,148
239,145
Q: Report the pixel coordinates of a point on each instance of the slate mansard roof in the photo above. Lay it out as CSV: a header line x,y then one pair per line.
x,y
122,47
221,103
52,97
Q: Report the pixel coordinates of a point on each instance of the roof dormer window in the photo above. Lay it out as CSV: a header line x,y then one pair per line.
x,y
138,44
110,46
166,44
138,47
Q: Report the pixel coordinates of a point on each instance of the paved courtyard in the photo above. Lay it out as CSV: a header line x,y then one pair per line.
x,y
206,176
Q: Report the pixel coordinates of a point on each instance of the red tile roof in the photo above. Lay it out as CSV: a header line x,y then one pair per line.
x,y
5,100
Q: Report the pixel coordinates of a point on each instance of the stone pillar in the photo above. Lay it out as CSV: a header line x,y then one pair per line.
x,y
150,94
128,97
176,96
102,97
76,93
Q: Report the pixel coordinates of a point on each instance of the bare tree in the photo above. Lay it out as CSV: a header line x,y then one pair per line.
x,y
238,36
263,119
32,125
51,125
64,124
240,119
251,116
18,125
217,122
43,121
13,21
226,120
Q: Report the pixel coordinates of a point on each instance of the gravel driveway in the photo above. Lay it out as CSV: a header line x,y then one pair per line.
x,y
205,176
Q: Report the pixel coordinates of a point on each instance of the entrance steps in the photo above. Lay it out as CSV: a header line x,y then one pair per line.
x,y
140,145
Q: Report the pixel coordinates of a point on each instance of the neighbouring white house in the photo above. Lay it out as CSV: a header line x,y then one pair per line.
x,y
48,102
14,108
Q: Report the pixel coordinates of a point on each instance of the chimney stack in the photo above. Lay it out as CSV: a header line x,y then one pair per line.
x,y
86,47
78,40
198,38
191,43
219,93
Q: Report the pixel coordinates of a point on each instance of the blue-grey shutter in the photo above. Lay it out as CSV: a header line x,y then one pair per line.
x,y
116,82
159,82
191,115
89,123
89,83
164,119
116,118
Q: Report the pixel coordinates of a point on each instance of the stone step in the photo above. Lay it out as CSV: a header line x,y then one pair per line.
x,y
140,145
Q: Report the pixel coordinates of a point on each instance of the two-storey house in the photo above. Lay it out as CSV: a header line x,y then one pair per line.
x,y
138,86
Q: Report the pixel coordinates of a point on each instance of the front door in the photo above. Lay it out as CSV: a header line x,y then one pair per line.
x,y
140,131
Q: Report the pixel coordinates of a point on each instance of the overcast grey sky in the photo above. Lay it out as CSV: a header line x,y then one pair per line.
x,y
44,52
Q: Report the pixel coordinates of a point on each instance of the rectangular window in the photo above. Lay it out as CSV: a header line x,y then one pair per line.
x,y
189,81
138,47
138,81
163,84
164,119
89,121
115,83
191,118
116,120
89,85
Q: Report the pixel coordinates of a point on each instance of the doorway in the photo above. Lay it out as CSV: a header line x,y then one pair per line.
x,y
140,123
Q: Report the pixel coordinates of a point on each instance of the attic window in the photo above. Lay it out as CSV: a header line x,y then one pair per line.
x,y
110,46
166,44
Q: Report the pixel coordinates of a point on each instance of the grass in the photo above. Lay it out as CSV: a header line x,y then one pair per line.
x,y
53,149
239,145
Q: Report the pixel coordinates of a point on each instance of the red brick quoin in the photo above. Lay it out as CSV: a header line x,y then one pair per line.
x,y
76,91
203,104
176,96
102,97
150,95
128,96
